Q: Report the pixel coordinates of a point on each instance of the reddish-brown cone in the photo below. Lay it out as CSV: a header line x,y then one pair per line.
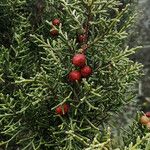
x,y
86,71
82,38
79,60
147,114
144,120
56,22
74,76
54,32
62,110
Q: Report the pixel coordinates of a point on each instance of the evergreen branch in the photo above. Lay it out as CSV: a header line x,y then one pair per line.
x,y
64,38
127,52
89,18
27,146
11,127
139,142
77,137
91,124
91,106
6,115
110,27
36,147
62,101
23,81
127,24
71,13
47,45
7,142
115,20
91,102
96,94
26,139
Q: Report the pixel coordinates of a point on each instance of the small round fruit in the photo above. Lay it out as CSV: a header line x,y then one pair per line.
x,y
82,38
144,120
74,76
79,60
86,71
54,32
147,114
56,22
62,109
148,125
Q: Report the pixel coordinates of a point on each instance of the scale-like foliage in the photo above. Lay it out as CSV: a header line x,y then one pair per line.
x,y
35,67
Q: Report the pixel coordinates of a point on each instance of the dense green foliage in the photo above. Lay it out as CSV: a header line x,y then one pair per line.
x,y
34,68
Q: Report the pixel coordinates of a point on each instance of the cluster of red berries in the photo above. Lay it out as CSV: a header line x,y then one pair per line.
x,y
145,120
54,31
79,60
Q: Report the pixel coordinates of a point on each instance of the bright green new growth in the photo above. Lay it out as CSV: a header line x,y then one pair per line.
x,y
34,72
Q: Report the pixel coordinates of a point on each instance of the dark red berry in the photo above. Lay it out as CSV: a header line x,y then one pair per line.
x,y
79,60
54,32
74,76
82,38
86,71
56,22
147,114
62,109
